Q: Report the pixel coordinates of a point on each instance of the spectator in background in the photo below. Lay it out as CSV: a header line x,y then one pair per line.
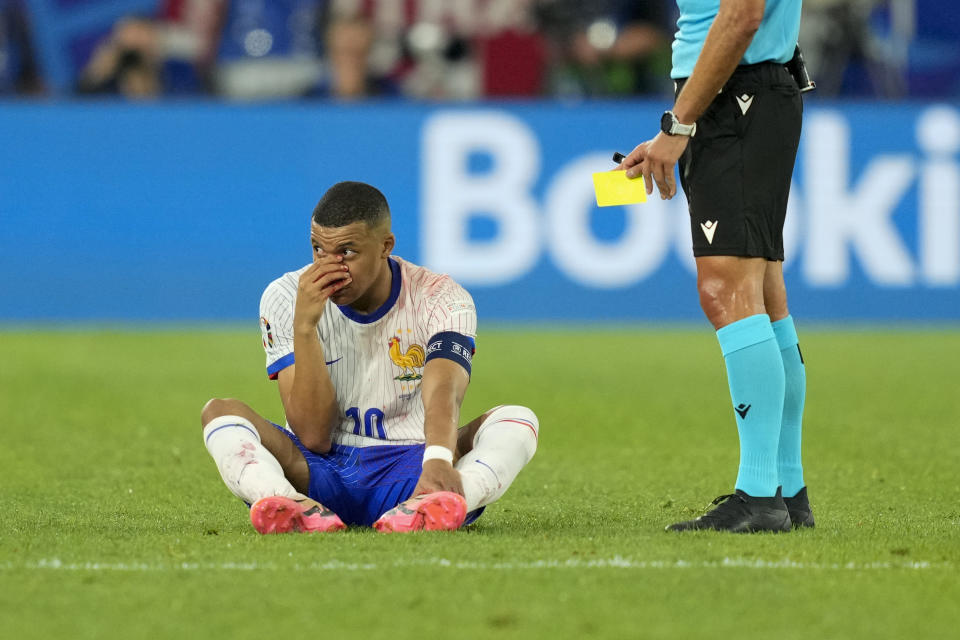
x,y
608,47
348,44
838,41
431,49
238,49
126,62
145,57
513,54
18,65
448,50
272,49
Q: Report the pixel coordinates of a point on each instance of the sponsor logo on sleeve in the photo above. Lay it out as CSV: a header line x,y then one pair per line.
x,y
460,307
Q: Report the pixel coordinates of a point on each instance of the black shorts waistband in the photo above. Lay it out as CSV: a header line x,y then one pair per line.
x,y
768,71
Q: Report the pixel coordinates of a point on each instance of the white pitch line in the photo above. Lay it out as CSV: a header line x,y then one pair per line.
x,y
616,562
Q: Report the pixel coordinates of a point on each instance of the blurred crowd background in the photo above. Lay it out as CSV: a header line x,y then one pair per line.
x,y
436,49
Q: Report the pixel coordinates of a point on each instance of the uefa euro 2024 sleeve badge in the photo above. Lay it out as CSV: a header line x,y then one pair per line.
x,y
266,332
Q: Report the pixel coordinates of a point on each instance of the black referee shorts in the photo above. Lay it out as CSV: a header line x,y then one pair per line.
x,y
736,170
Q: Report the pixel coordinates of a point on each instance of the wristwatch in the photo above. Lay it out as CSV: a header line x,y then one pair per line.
x,y
672,127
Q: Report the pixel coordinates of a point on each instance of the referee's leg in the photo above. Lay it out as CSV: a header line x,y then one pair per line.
x,y
731,288
775,291
731,292
732,296
789,459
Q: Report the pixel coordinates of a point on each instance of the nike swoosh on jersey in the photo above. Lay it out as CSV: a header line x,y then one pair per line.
x,y
337,360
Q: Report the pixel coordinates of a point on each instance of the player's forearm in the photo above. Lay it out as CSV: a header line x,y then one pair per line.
x,y
730,34
312,404
442,415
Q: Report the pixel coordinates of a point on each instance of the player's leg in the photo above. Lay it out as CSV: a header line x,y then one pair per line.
x,y
264,468
254,458
789,462
492,450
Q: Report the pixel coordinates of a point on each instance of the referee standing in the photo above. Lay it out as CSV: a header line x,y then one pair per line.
x,y
734,128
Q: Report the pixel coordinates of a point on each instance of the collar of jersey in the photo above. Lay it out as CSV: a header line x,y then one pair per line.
x,y
367,318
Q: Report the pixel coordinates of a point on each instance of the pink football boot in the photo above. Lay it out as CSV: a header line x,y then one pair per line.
x,y
277,514
440,511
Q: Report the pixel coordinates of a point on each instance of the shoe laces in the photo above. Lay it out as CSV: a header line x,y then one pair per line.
x,y
722,505
726,497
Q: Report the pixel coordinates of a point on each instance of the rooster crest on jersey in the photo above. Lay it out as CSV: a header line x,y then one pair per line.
x,y
412,358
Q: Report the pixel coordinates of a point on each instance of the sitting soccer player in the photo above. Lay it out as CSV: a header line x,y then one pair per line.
x,y
372,355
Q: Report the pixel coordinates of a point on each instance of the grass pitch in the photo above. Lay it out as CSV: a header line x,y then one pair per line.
x,y
116,524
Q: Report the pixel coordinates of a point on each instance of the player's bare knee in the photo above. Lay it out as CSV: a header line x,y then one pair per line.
x,y
216,407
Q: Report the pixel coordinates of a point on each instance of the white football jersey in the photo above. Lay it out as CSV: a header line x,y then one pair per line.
x,y
376,361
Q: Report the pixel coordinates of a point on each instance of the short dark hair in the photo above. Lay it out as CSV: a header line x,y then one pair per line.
x,y
348,202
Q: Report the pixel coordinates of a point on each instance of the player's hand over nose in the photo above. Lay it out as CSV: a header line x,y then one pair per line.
x,y
320,281
655,160
438,475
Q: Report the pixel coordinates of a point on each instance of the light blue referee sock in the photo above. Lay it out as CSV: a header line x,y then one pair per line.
x,y
755,375
788,456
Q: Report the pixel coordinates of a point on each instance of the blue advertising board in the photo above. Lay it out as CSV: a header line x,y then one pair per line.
x,y
186,211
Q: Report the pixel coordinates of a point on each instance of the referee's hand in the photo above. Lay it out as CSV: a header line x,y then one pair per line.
x,y
655,161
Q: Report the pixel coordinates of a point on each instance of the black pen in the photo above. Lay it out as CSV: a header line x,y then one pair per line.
x,y
618,157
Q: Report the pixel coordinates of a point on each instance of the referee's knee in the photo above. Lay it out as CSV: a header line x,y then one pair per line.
x,y
713,300
725,299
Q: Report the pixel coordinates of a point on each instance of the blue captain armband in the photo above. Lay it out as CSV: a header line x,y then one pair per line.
x,y
452,346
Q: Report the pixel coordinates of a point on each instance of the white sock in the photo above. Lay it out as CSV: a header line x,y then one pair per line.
x,y
504,444
248,469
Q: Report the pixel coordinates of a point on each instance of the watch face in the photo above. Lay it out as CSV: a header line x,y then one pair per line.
x,y
666,123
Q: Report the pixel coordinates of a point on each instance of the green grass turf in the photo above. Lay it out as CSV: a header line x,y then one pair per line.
x,y
116,524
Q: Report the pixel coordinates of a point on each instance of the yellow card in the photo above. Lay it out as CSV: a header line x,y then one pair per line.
x,y
614,187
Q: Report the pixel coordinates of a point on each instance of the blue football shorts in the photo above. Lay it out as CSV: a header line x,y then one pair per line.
x,y
360,484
